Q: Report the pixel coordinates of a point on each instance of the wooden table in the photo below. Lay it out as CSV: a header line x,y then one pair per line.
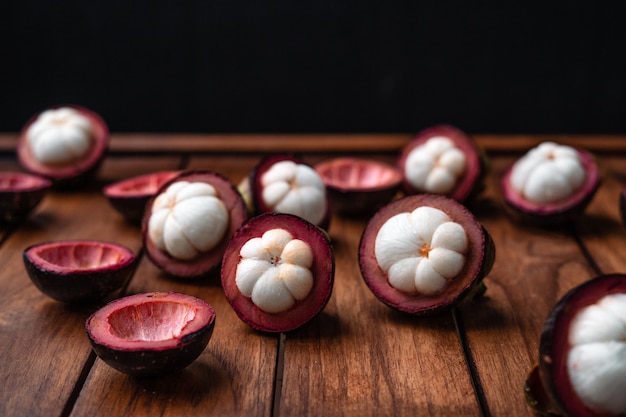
x,y
358,357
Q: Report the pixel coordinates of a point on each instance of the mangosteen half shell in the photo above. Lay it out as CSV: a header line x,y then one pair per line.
x,y
286,184
423,253
278,272
65,144
551,183
189,221
582,359
444,160
80,271
20,193
130,196
359,186
151,333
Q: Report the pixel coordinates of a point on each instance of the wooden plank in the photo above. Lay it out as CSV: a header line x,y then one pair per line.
x,y
534,267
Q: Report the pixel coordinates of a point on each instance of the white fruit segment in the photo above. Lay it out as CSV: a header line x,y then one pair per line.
x,y
188,218
548,173
60,136
289,187
435,166
596,362
275,270
421,251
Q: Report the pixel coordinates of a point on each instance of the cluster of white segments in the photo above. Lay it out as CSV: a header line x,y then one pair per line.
x,y
188,218
292,188
596,362
435,166
60,136
275,270
421,251
548,173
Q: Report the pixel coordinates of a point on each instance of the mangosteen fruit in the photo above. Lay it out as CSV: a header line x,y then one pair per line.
x,y
65,144
80,271
278,272
285,184
20,193
582,352
423,253
130,196
622,205
359,186
189,221
443,160
551,183
153,333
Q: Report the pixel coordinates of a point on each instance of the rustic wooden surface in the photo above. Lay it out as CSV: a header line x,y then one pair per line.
x,y
357,358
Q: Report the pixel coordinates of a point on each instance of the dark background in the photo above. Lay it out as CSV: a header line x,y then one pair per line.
x,y
318,66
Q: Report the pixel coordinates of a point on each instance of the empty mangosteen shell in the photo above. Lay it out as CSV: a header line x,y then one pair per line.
x,y
145,359
554,345
472,182
205,263
323,270
75,286
78,174
20,193
479,258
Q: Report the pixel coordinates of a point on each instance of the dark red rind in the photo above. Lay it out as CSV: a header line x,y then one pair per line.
x,y
130,196
479,258
471,183
560,212
206,262
256,187
20,193
78,172
622,205
323,272
356,195
554,344
157,357
72,285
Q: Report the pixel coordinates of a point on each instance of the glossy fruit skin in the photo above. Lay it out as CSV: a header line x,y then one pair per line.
x,y
205,263
20,193
323,272
151,359
358,199
75,286
554,345
472,183
79,173
558,213
479,259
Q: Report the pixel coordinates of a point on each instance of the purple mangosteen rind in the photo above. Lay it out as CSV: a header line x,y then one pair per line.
x,y
205,263
556,213
323,272
554,344
622,205
150,358
20,193
466,285
472,183
78,173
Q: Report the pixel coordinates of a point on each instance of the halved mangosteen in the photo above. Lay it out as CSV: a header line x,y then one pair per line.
x,y
151,333
278,272
20,193
286,184
130,196
424,253
443,160
359,186
80,271
551,183
65,144
189,221
582,364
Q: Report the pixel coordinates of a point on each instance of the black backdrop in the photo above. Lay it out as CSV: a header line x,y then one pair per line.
x,y
318,66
